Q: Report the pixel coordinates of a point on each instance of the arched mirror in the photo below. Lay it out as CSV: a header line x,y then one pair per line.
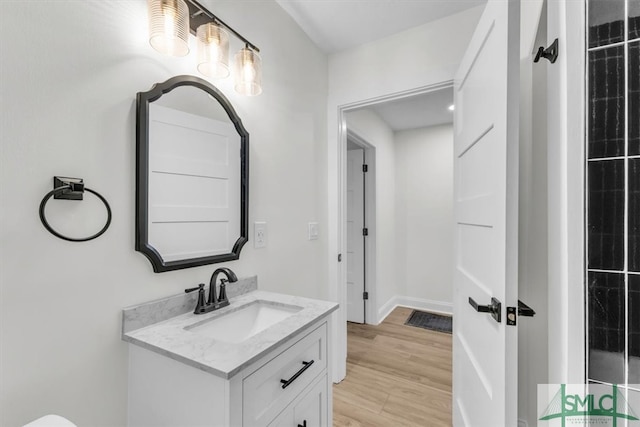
x,y
192,176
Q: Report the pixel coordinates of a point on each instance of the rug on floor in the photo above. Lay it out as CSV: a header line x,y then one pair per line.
x,y
435,322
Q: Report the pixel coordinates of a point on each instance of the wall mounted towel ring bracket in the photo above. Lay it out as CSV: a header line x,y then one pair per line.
x,y
71,189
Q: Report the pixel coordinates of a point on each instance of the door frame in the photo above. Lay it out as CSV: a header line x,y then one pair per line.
x,y
566,193
370,313
337,289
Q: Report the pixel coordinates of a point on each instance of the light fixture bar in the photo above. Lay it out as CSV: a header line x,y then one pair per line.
x,y
201,15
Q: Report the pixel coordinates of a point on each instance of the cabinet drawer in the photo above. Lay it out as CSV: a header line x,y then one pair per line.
x,y
263,395
311,411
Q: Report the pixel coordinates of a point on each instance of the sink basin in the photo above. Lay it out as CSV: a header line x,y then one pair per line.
x,y
245,322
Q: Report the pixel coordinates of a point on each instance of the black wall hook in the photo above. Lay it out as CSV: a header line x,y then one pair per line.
x,y
550,53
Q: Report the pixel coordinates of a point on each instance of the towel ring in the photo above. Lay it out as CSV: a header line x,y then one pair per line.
x,y
71,189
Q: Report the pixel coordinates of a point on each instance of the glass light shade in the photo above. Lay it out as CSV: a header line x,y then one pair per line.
x,y
169,26
248,70
213,50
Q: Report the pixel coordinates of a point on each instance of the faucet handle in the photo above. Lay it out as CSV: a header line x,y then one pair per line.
x,y
200,286
201,305
223,290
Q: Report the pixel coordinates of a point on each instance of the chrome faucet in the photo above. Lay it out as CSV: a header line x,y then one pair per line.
x,y
214,302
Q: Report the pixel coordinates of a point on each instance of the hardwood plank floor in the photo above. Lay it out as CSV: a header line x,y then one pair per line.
x,y
397,375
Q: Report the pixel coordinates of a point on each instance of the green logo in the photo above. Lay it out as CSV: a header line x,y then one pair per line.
x,y
589,405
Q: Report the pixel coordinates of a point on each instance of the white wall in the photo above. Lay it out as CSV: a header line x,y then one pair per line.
x,y
419,57
368,125
69,74
424,213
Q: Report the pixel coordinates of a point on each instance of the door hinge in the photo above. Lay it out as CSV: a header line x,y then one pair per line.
x,y
365,295
365,168
365,231
339,257
522,310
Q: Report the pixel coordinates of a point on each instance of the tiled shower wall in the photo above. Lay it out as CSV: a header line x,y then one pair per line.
x,y
613,191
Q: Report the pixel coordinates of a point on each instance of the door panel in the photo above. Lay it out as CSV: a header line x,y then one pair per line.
x,y
355,240
486,183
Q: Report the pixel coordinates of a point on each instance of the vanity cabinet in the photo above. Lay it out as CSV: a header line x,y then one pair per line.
x,y
308,410
287,387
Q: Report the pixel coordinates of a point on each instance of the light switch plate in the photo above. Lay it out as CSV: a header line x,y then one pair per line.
x,y
313,231
259,234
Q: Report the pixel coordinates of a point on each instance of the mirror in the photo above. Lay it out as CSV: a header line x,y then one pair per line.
x,y
192,175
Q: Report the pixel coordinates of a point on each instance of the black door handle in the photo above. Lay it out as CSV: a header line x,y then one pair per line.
x,y
304,424
287,383
525,310
495,308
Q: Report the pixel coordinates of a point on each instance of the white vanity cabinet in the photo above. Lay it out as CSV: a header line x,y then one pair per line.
x,y
309,409
287,387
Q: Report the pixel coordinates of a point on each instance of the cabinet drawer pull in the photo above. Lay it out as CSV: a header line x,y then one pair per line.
x,y
304,424
287,383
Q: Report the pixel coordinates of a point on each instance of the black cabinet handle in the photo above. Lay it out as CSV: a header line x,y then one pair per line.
x,y
304,424
287,383
495,308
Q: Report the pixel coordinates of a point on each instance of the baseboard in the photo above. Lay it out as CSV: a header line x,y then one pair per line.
x,y
386,309
415,303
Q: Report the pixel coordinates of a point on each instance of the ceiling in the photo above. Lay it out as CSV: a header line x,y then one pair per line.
x,y
417,111
336,25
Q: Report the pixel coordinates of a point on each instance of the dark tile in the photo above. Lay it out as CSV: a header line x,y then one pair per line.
x,y
606,22
634,98
605,213
634,324
606,102
606,314
634,215
634,19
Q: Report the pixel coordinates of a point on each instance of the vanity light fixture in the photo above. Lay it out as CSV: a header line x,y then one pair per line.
x,y
213,50
169,26
167,19
248,68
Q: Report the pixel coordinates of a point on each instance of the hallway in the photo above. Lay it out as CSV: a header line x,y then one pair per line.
x,y
397,375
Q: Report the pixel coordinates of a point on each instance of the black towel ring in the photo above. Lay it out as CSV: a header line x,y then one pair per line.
x,y
71,189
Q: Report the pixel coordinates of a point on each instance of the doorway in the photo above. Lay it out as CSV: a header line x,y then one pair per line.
x,y
361,229
400,231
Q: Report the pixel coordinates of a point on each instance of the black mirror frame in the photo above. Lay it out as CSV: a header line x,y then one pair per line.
x,y
142,175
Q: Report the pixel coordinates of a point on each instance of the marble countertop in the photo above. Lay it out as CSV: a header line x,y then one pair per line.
x,y
172,337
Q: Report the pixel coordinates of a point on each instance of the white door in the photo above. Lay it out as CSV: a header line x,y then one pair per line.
x,y
486,201
355,239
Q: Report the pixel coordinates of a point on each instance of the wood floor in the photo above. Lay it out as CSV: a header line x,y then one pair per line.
x,y
397,375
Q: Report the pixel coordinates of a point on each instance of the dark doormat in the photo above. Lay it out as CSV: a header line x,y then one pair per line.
x,y
435,322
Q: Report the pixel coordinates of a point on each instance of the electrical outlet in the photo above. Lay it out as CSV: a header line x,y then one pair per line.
x,y
259,234
313,231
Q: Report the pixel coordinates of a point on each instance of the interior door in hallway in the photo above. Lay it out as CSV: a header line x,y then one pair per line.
x,y
355,237
485,348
